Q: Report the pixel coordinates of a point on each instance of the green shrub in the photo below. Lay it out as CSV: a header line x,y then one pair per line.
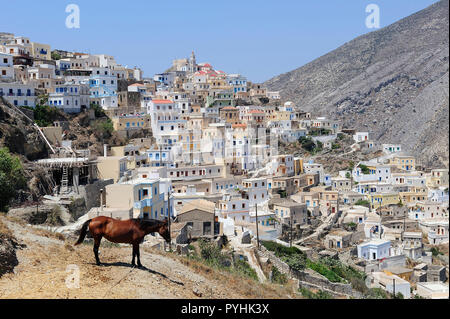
x,y
351,165
242,267
295,261
363,202
364,169
292,256
335,146
98,110
54,217
12,177
435,252
103,128
319,131
55,56
324,271
307,143
214,257
45,115
278,277
279,249
282,193
354,277
310,295
376,293
399,295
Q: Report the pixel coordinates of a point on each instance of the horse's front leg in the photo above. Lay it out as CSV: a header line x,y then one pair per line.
x,y
138,255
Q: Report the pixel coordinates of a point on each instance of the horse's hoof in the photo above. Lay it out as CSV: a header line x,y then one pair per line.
x,y
140,266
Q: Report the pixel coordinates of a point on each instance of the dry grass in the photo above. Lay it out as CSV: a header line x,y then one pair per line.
x,y
243,287
43,262
4,230
48,234
44,276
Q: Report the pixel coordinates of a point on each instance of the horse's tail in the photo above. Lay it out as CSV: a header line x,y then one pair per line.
x,y
83,232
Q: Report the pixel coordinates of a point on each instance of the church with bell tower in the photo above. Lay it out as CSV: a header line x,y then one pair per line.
x,y
192,63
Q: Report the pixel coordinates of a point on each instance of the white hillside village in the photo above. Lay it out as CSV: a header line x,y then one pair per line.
x,y
222,161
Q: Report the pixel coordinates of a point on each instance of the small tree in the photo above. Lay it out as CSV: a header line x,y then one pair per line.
x,y
351,165
364,169
12,177
362,202
56,56
335,146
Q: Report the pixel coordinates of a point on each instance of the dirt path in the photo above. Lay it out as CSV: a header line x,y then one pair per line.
x,y
43,270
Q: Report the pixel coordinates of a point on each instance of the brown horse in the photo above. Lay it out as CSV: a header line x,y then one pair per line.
x,y
131,231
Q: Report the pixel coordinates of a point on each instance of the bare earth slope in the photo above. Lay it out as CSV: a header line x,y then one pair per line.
x,y
43,260
392,82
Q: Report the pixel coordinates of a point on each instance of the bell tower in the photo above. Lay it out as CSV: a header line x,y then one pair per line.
x,y
192,63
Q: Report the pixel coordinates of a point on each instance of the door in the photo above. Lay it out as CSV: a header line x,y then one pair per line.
x,y
206,228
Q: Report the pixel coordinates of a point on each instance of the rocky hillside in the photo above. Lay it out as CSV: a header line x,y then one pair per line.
x,y
392,82
18,134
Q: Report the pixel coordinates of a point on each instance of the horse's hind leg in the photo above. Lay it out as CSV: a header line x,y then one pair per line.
x,y
134,255
97,240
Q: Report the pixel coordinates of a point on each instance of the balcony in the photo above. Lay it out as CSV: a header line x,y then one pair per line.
x,y
147,202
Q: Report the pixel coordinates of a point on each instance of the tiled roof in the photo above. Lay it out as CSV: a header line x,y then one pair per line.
x,y
256,111
162,101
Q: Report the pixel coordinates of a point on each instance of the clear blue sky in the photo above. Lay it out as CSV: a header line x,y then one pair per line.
x,y
259,39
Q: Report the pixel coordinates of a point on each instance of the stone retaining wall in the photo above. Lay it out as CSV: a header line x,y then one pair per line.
x,y
305,277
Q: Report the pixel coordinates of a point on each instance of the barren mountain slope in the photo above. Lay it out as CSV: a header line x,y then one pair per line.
x,y
392,82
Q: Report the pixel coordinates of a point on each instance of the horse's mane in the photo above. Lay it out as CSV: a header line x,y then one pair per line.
x,y
148,222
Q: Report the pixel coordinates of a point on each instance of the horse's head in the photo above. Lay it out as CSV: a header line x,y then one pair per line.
x,y
164,230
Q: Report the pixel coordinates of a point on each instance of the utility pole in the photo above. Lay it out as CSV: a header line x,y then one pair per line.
x,y
257,232
168,215
290,237
393,280
381,220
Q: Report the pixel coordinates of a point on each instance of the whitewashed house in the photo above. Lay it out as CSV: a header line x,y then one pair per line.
x,y
70,97
374,249
6,67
